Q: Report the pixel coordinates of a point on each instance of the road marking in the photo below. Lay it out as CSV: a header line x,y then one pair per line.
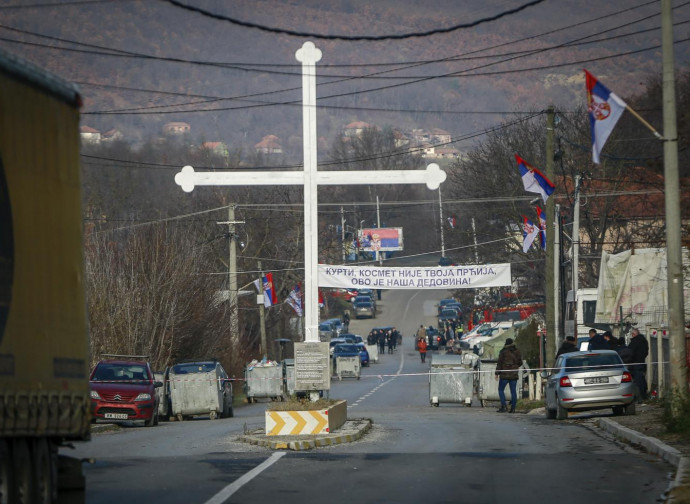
x,y
233,487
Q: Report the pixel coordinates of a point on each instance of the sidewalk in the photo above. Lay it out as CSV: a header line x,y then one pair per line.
x,y
679,491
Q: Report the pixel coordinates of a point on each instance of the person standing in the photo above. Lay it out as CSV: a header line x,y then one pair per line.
x,y
509,360
346,321
382,341
638,367
597,341
567,346
421,345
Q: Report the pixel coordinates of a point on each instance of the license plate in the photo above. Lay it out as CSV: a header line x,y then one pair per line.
x,y
596,379
116,416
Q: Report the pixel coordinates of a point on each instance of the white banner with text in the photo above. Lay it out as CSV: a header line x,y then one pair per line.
x,y
421,277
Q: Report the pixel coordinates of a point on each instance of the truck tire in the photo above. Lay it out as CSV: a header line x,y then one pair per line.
x,y
44,463
25,485
6,474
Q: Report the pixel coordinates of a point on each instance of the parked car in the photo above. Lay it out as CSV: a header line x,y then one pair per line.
x,y
583,381
345,350
355,338
448,301
346,294
363,353
364,309
365,297
338,341
447,315
200,388
327,331
124,390
337,325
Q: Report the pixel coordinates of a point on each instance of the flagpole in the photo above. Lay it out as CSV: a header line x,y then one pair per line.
x,y
651,128
262,323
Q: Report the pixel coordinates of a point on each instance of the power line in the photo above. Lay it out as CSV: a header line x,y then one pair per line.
x,y
436,31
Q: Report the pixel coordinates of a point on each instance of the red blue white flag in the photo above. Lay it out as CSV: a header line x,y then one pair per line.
x,y
452,221
269,291
604,108
295,300
529,233
541,217
533,180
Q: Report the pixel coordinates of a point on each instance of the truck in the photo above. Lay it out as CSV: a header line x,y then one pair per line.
x,y
579,318
44,353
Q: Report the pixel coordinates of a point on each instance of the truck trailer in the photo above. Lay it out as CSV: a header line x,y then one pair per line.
x,y
44,357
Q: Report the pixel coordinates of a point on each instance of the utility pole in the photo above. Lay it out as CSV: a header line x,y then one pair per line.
x,y
551,264
576,248
262,322
232,271
474,237
676,311
557,270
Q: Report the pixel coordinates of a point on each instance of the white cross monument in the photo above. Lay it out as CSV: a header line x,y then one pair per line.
x,y
310,178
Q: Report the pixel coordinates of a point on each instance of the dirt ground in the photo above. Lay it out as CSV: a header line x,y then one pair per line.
x,y
648,421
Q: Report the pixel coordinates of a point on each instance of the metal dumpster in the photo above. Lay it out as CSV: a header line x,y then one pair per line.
x,y
263,380
289,365
373,352
487,384
347,366
164,409
199,388
450,380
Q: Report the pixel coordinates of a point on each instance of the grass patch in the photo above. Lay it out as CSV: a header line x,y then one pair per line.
x,y
679,423
528,405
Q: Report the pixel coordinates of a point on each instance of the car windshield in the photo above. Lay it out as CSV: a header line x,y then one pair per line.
x,y
363,304
194,367
346,348
449,313
120,372
324,326
593,362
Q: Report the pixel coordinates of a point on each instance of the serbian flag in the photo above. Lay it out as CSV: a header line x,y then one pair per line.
x,y
604,108
269,291
541,217
321,303
452,221
295,300
533,180
529,233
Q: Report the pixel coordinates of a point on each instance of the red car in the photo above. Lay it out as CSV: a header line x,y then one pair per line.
x,y
346,294
124,390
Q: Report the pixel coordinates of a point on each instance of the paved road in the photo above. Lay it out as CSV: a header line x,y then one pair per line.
x,y
414,453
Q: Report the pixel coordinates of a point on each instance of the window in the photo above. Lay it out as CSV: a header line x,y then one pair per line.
x,y
593,362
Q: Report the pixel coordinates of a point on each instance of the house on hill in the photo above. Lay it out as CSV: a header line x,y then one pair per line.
x,y
89,135
355,129
176,128
112,135
218,148
270,144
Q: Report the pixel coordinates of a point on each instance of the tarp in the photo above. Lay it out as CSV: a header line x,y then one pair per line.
x,y
637,283
421,277
491,348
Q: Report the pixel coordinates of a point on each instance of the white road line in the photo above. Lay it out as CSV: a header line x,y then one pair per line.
x,y
233,487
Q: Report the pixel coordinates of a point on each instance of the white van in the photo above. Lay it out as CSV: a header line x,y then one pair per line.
x,y
586,312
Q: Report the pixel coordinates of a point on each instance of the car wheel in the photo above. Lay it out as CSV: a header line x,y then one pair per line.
x,y
561,412
550,414
150,422
630,409
618,410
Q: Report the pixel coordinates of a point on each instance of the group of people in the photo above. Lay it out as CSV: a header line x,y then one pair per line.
x,y
384,338
634,354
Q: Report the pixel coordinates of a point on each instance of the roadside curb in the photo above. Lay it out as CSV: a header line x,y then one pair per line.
x,y
351,431
679,491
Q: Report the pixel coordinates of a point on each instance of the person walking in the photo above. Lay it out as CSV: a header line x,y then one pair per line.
x,y
421,345
567,346
346,321
509,360
638,367
389,340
